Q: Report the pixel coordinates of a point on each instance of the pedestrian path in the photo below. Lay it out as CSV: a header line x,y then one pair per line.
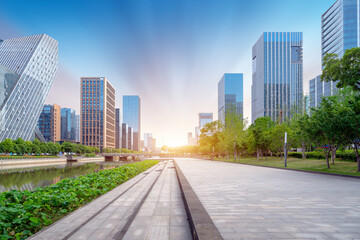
x,y
249,202
148,206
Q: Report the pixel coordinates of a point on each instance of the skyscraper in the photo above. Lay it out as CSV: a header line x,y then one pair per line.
x,y
68,124
277,75
205,118
77,128
117,128
130,138
124,135
97,116
340,30
28,66
230,95
49,123
131,116
147,140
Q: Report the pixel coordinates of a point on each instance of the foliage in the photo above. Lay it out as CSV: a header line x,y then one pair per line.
x,y
24,213
344,70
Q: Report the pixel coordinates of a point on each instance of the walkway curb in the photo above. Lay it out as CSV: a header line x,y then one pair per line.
x,y
201,225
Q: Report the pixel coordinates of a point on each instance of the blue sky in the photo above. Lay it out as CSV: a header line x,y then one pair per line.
x,y
171,53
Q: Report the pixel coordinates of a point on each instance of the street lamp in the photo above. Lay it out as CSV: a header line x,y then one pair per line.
x,y
285,147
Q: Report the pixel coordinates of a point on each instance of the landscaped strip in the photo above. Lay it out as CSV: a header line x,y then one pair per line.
x,y
313,165
23,213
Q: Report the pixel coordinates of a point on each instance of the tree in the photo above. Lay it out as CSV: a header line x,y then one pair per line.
x,y
345,70
260,135
210,137
67,147
299,123
7,146
277,137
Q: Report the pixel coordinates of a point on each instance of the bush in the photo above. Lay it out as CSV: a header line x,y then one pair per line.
x,y
347,155
90,155
22,213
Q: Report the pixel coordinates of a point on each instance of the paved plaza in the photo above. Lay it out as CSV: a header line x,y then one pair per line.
x,y
249,202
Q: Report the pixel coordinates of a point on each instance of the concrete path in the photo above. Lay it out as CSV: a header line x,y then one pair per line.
x,y
249,202
114,215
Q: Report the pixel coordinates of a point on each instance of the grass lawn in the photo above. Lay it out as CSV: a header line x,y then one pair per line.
x,y
316,165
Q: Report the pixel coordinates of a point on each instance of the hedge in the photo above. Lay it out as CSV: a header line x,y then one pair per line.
x,y
348,155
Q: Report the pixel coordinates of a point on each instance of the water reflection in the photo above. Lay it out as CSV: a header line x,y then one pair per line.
x,y
40,176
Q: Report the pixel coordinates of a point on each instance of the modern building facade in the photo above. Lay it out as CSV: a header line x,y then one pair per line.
x,y
205,118
28,66
49,123
340,30
147,140
124,136
68,125
277,75
77,128
97,118
130,138
132,116
230,95
191,139
117,129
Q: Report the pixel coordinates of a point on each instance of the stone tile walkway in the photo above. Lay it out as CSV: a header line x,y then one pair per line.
x,y
249,202
162,215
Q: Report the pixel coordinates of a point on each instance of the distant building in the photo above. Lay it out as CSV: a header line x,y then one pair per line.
x,y
205,118
68,124
28,66
277,75
147,140
131,139
132,116
191,139
124,136
49,123
77,128
97,112
230,95
339,31
153,145
117,129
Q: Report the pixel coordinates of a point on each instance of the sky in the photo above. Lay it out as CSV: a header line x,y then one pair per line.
x,y
171,53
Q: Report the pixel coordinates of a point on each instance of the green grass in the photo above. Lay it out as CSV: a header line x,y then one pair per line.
x,y
316,165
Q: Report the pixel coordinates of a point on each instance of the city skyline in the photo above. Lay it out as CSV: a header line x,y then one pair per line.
x,y
176,70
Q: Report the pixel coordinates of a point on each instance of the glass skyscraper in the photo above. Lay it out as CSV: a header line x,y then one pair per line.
x,y
131,116
230,95
49,123
68,124
339,31
28,66
277,75
117,128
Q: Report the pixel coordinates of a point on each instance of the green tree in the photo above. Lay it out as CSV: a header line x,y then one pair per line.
x,y
210,137
277,137
299,123
67,147
7,146
260,135
345,70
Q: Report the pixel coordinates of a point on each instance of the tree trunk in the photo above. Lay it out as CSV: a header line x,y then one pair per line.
x,y
281,155
271,153
357,158
333,154
303,149
327,160
257,154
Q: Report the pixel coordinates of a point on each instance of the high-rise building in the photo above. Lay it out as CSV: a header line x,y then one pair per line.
x,y
153,145
117,128
68,125
205,118
28,66
77,128
277,75
49,123
124,135
340,30
131,139
147,140
230,95
97,125
132,116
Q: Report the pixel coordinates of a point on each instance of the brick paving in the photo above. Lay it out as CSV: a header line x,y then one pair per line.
x,y
249,202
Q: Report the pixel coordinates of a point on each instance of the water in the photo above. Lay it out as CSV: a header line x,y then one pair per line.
x,y
28,178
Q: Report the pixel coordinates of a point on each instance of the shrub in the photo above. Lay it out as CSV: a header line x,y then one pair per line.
x,y
22,213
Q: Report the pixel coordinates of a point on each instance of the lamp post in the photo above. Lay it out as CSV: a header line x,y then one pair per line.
x,y
285,148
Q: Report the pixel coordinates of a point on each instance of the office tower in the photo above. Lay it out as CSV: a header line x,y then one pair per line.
x,y
147,140
124,135
205,118
277,75
339,31
49,123
131,116
97,125
77,128
28,66
117,128
68,125
230,95
130,138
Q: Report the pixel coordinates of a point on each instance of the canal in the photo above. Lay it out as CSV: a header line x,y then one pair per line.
x,y
31,177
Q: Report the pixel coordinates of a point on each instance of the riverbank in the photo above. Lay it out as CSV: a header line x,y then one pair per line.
x,y
314,165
